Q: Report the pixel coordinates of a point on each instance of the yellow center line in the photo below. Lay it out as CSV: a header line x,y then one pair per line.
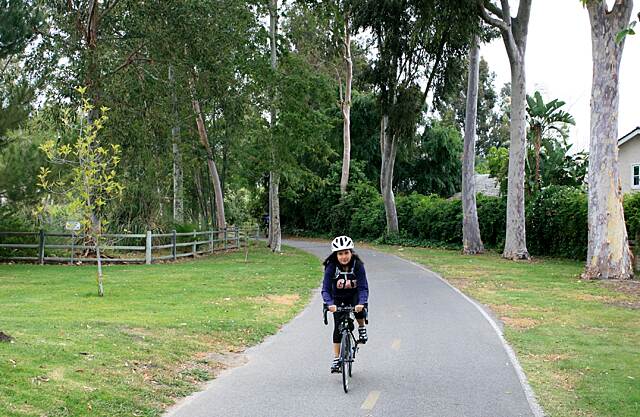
x,y
396,344
371,400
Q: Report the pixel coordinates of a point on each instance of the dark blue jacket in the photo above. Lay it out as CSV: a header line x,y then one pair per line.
x,y
330,290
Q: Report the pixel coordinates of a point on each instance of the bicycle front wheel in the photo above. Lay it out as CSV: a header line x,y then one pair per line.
x,y
345,356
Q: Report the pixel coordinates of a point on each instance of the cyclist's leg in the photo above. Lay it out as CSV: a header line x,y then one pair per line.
x,y
335,363
362,330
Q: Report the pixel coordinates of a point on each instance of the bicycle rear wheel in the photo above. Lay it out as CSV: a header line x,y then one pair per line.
x,y
345,356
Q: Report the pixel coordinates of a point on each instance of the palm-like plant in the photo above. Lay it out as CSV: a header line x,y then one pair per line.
x,y
544,117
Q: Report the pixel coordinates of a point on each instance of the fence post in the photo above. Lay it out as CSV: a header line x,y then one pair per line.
x,y
211,243
73,247
173,245
258,232
147,251
41,247
237,237
225,238
195,247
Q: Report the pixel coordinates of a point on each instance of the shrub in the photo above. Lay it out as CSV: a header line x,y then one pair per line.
x,y
557,222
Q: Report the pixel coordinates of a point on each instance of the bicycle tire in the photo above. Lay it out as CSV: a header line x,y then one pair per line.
x,y
345,356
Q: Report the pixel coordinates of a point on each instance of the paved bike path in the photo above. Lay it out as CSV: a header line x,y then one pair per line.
x,y
431,352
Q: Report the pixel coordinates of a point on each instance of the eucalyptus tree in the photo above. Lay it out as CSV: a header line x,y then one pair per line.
x,y
608,254
471,240
275,233
514,34
419,46
456,102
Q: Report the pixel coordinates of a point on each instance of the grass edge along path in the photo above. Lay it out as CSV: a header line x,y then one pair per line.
x,y
577,341
159,332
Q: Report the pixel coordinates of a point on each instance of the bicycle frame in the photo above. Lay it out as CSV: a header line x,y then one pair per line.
x,y
349,343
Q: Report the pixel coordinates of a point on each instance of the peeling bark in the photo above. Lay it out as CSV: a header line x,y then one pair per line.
x,y
275,234
514,35
472,243
388,150
346,107
178,182
608,255
213,171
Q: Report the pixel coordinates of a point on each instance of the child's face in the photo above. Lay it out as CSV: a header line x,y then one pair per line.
x,y
344,256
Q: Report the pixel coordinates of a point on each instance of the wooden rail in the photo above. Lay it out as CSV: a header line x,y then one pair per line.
x,y
47,247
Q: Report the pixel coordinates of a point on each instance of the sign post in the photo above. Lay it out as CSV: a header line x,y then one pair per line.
x,y
72,226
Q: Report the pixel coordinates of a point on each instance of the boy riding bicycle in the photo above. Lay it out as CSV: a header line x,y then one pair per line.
x,y
345,283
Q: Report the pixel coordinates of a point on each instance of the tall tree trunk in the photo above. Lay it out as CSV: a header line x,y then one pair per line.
x,y
346,107
537,133
178,182
275,235
608,254
96,232
276,243
472,243
514,36
202,201
388,149
516,243
213,171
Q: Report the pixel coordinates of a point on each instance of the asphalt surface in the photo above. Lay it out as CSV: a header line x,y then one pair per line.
x,y
431,352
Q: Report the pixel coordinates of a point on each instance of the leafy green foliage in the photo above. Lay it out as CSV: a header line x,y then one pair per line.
x,y
19,20
91,180
632,216
456,102
557,222
433,165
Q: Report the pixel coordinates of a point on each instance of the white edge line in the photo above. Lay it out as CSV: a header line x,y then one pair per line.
x,y
528,392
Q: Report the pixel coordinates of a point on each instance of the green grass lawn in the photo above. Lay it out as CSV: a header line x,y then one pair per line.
x,y
578,341
158,332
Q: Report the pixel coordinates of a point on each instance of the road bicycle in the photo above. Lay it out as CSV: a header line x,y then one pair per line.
x,y
348,342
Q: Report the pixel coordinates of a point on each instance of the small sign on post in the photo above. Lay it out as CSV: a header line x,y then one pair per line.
x,y
72,226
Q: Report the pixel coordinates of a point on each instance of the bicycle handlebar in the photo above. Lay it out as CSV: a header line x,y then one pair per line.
x,y
343,309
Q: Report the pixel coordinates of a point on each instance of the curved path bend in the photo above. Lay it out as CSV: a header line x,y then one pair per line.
x,y
431,352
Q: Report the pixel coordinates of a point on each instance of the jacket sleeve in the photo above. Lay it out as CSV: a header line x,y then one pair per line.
x,y
326,285
363,285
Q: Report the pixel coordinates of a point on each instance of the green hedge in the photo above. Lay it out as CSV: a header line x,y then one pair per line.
x,y
556,218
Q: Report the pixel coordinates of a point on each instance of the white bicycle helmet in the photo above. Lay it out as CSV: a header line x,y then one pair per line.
x,y
341,243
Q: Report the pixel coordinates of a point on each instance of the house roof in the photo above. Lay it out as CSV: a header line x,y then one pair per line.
x,y
635,132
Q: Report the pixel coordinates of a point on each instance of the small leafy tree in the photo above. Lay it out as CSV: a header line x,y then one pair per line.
x,y
543,118
90,180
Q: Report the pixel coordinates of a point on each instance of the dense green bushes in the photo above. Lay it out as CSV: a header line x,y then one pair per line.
x,y
556,218
557,223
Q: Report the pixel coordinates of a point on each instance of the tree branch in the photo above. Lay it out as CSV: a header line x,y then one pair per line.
x,y
498,23
108,8
436,64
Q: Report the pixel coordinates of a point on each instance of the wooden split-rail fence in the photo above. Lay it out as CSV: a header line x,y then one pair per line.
x,y
47,247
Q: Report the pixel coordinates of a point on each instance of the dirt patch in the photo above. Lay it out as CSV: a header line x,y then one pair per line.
x,y
286,299
564,380
520,323
137,333
5,337
460,283
591,297
504,309
553,357
633,305
624,286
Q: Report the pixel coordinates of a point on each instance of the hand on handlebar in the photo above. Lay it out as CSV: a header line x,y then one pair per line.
x,y
332,308
359,308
